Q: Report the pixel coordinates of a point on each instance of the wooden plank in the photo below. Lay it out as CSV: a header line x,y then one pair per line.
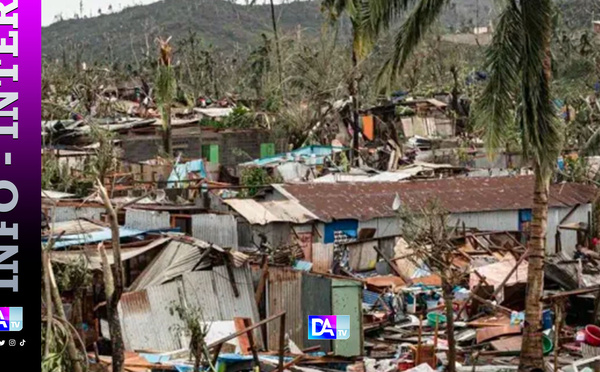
x,y
240,324
490,333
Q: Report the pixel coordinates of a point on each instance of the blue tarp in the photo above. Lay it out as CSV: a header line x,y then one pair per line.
x,y
302,265
94,237
320,153
180,173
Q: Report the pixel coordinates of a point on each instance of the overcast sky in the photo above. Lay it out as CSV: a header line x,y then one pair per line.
x,y
68,8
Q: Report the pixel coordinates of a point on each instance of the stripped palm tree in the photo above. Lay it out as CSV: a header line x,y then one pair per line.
x,y
165,92
518,61
363,37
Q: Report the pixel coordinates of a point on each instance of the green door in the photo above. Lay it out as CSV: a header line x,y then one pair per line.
x,y
211,153
346,298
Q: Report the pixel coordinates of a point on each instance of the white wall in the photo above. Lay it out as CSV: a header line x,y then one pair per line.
x,y
493,220
568,238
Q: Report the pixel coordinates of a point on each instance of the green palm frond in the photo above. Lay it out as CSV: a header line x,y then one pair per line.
x,y
494,109
411,33
543,134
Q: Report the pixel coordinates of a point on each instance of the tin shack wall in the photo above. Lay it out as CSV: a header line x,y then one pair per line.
x,y
316,300
284,294
347,300
220,229
147,220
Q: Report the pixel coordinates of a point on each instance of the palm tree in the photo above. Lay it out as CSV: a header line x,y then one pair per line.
x,y
363,37
165,92
519,63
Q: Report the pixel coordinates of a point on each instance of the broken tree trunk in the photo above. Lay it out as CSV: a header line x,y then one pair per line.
x,y
74,355
113,285
448,301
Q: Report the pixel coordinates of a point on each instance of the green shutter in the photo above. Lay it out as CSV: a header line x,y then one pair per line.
x,y
210,153
214,154
266,150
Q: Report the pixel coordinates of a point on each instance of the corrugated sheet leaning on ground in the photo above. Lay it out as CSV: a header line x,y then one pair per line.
x,y
220,229
364,201
284,294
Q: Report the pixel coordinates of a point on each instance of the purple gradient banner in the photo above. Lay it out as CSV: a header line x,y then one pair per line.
x,y
20,176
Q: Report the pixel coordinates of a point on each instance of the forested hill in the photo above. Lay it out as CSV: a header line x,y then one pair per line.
x,y
220,23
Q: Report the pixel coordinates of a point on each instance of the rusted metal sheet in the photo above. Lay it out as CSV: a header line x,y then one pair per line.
x,y
147,220
146,320
316,300
284,294
220,229
322,257
306,241
69,213
364,201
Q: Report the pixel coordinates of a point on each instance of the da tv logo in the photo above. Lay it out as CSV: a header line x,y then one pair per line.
x,y
328,327
11,318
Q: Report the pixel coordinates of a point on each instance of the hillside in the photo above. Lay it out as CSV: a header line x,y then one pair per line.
x,y
217,22
226,24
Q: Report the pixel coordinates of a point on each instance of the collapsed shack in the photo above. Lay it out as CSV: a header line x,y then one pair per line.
x,y
303,249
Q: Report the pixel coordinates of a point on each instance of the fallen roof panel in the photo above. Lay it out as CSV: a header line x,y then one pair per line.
x,y
92,257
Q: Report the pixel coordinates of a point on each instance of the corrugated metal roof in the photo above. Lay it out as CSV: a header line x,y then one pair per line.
x,y
94,236
145,314
220,229
146,321
51,194
365,201
93,259
148,220
74,227
175,259
271,211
